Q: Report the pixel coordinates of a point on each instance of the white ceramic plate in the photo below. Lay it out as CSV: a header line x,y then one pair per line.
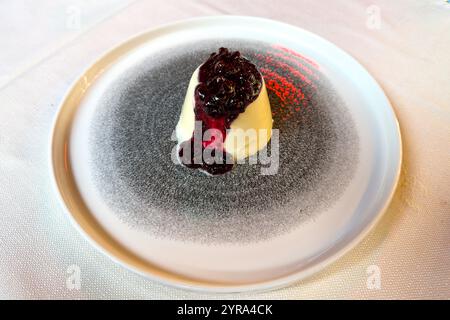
x,y
339,164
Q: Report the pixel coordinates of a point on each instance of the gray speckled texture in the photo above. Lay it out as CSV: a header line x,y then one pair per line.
x,y
131,147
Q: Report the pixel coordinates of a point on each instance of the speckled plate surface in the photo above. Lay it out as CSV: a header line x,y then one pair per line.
x,y
339,159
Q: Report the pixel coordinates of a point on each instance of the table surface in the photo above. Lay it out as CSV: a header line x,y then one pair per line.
x,y
47,44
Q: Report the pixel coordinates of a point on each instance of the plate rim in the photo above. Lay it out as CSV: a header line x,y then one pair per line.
x,y
197,285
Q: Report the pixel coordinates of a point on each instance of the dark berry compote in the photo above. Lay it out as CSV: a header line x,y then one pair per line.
x,y
228,83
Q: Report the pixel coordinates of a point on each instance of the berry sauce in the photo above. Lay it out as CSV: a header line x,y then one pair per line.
x,y
228,83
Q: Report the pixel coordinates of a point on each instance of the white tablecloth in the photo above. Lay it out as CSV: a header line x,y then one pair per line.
x,y
45,45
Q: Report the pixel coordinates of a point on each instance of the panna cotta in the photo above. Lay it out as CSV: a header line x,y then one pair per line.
x,y
226,115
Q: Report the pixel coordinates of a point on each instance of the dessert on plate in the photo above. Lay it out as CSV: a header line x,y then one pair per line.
x,y
226,115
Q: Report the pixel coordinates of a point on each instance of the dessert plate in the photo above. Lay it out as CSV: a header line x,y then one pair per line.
x,y
332,172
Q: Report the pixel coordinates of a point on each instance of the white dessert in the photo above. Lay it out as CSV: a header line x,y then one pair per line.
x,y
248,133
